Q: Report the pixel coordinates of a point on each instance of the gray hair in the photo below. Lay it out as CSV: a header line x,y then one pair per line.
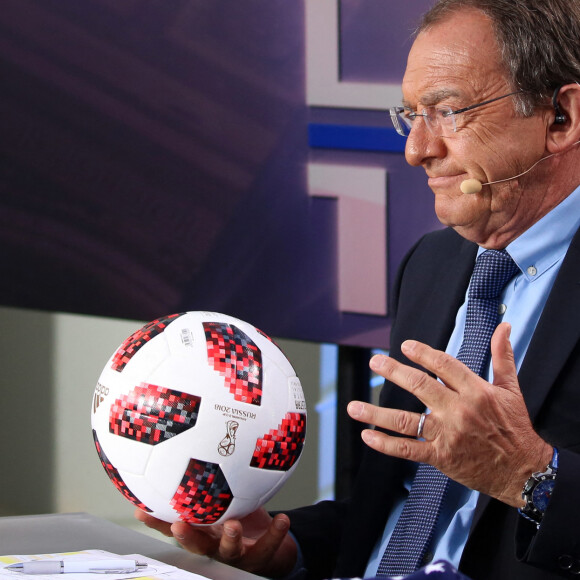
x,y
539,42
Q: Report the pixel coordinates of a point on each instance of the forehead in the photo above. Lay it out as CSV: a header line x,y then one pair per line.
x,y
457,57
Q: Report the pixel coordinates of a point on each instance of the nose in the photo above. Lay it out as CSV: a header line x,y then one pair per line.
x,y
422,144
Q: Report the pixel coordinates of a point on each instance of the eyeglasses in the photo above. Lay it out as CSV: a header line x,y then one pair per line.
x,y
440,121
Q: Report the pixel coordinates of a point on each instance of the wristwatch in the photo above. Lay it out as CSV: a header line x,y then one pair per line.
x,y
538,491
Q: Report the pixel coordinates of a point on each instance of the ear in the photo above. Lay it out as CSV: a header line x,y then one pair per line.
x,y
562,135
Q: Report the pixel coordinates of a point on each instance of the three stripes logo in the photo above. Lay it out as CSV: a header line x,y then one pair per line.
x,y
100,393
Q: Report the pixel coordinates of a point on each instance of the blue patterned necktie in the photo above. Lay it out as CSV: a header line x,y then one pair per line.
x,y
412,535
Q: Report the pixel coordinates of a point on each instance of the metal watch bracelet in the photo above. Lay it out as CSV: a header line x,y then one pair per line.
x,y
537,491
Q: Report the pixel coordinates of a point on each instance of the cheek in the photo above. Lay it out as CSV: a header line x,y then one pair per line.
x,y
495,153
480,148
507,198
476,156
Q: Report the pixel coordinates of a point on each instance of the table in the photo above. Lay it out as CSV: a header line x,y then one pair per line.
x,y
49,533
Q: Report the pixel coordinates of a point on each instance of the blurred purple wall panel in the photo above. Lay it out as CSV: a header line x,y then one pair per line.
x,y
153,159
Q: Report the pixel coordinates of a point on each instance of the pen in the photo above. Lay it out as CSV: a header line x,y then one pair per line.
x,y
106,566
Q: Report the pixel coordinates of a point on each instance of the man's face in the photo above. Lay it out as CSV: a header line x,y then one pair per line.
x,y
456,63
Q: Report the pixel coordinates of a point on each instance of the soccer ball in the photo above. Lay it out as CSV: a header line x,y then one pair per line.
x,y
199,417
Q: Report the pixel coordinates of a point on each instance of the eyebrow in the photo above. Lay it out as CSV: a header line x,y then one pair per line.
x,y
434,97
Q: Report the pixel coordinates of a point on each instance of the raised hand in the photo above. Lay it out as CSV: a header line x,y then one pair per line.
x,y
477,433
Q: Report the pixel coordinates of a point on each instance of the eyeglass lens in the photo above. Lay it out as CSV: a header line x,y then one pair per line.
x,y
440,121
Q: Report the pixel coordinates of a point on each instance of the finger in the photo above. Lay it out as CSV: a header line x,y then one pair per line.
x,y
262,552
402,422
502,359
448,369
427,389
402,447
153,523
231,544
202,540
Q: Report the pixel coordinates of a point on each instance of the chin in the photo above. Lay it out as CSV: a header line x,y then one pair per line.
x,y
458,211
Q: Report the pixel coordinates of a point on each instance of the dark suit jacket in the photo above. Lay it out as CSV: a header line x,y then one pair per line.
x,y
337,537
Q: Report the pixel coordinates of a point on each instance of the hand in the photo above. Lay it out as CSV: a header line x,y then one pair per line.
x,y
479,434
256,543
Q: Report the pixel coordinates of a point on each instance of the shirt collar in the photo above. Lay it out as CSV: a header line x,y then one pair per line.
x,y
547,241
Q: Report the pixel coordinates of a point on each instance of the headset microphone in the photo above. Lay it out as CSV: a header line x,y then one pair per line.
x,y
473,185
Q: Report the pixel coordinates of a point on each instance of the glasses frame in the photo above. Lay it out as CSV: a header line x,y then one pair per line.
x,y
395,113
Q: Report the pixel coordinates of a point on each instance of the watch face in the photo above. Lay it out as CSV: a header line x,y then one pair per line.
x,y
542,494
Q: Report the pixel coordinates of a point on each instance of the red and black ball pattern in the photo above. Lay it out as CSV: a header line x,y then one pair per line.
x,y
152,414
262,333
131,345
236,357
203,494
116,478
279,449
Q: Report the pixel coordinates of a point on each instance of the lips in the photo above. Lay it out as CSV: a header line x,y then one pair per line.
x,y
446,181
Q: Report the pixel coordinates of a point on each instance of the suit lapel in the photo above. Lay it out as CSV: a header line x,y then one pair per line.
x,y
556,335
431,317
449,293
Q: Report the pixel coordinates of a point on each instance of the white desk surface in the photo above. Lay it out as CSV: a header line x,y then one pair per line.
x,y
50,533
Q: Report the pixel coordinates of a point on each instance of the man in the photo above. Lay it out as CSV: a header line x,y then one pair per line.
x,y
489,94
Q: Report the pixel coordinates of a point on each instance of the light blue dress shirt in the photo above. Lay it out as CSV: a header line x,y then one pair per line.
x,y
538,253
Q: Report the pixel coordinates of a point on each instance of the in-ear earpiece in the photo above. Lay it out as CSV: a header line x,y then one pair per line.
x,y
560,118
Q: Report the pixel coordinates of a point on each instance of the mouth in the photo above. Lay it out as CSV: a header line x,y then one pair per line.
x,y
440,182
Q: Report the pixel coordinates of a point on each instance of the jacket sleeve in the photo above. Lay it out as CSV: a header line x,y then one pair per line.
x,y
318,530
555,545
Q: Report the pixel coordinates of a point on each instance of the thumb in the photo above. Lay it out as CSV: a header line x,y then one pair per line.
x,y
502,359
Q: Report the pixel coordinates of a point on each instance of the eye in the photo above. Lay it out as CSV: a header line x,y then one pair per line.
x,y
445,112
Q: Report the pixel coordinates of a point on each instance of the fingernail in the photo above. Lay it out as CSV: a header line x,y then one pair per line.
x,y
355,409
176,534
409,346
376,362
367,436
280,524
230,532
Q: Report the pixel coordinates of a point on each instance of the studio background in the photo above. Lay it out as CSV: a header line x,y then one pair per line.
x,y
159,156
